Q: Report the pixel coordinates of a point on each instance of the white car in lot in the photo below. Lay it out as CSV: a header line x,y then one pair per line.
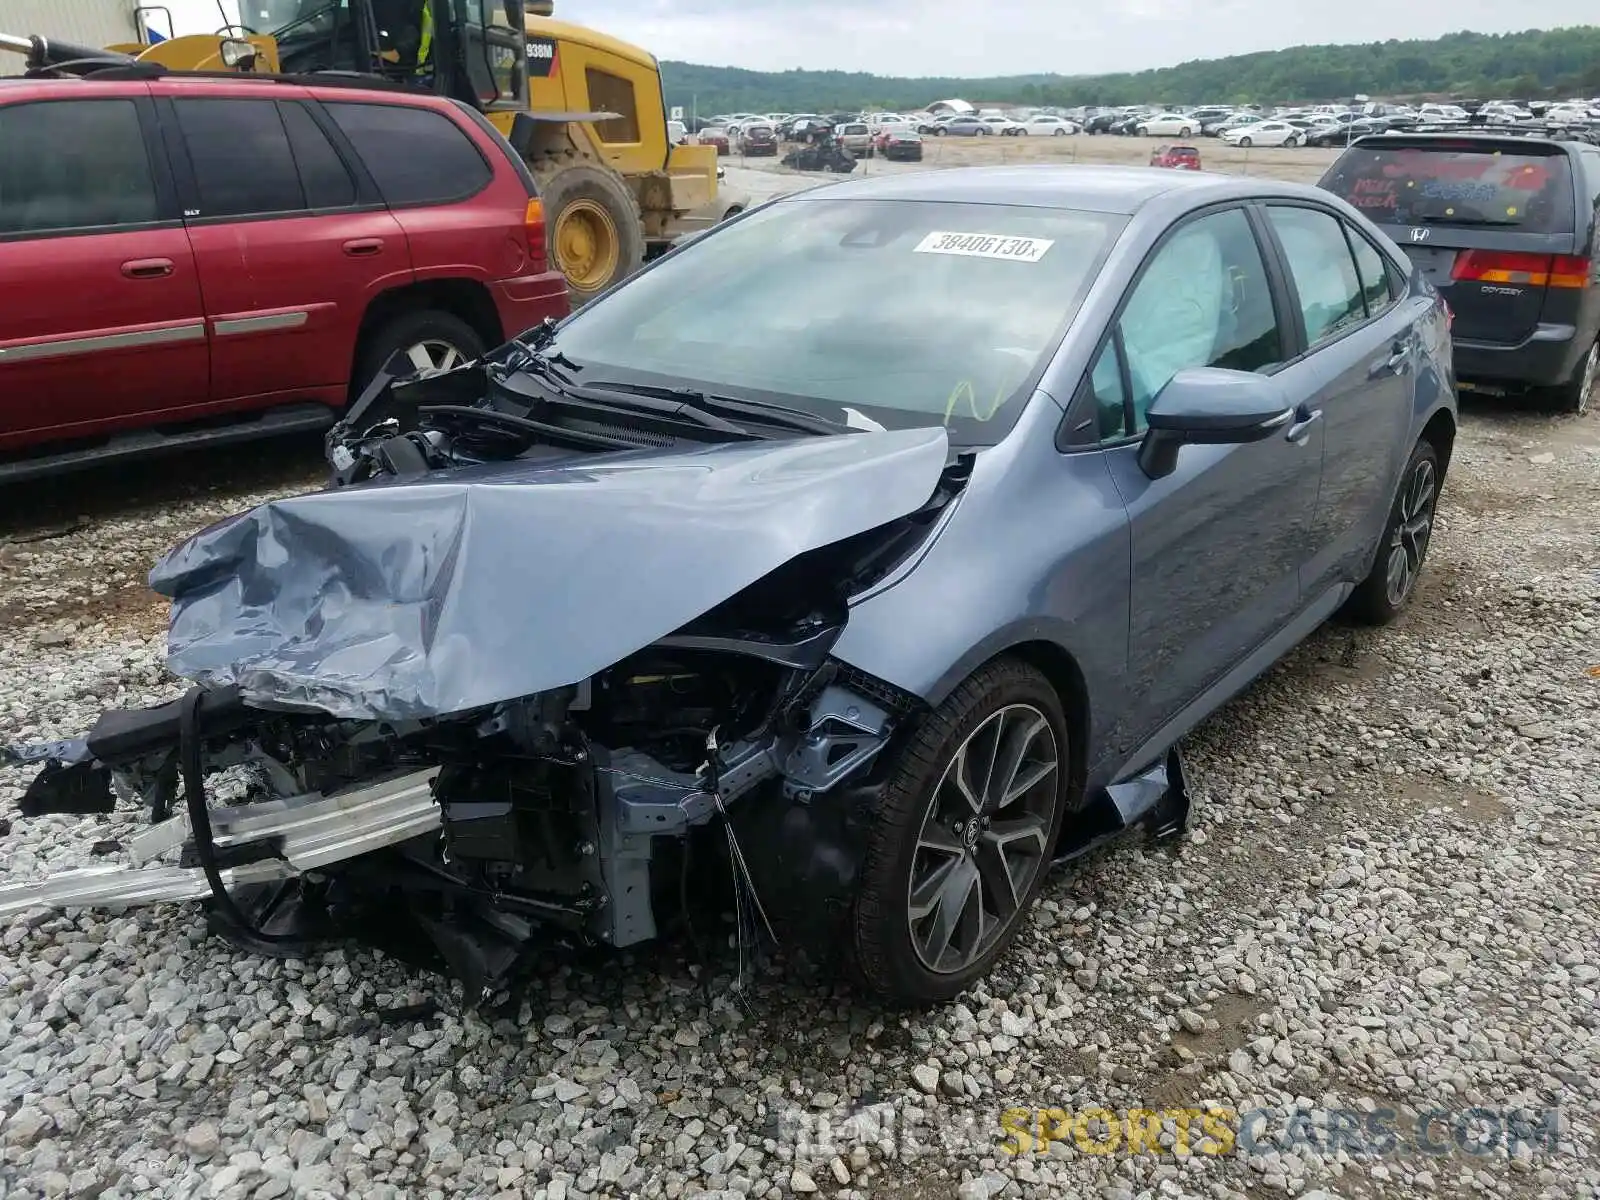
x,y
1002,125
1168,124
1265,133
1046,125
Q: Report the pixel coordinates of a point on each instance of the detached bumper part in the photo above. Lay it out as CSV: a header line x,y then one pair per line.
x,y
302,834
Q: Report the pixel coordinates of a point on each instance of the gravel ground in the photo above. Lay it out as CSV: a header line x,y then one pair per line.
x,y
1388,905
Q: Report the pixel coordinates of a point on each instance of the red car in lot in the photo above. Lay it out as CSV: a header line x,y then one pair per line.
x,y
1179,158
200,259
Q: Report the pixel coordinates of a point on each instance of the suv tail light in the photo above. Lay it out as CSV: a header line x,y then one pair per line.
x,y
533,225
1537,270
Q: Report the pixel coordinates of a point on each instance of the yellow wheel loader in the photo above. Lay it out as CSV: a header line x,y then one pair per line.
x,y
585,110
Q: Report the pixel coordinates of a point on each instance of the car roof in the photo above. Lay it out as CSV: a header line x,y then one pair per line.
x,y
1082,187
230,83
1450,140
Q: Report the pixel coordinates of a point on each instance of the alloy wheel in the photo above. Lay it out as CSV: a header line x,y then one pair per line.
x,y
1591,376
431,356
1409,543
984,838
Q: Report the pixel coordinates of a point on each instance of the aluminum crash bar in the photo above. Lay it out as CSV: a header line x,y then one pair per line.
x,y
312,831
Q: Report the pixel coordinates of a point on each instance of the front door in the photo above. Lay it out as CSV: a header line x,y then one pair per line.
x,y
1218,545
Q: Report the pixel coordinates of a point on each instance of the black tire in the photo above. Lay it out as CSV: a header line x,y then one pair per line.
x,y
1244,143
879,939
1376,601
1060,133
1573,395
1185,132
561,186
1292,140
399,333
940,132
733,211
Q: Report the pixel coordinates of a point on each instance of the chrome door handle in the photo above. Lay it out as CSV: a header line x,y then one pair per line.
x,y
1301,429
1394,364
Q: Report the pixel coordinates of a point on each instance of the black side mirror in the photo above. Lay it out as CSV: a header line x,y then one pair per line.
x,y
1210,406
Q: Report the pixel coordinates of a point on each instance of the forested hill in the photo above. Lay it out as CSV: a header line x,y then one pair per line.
x,y
1552,62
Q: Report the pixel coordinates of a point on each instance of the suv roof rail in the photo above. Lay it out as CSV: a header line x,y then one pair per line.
x,y
347,79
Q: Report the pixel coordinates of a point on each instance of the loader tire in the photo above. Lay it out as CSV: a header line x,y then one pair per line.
x,y
595,230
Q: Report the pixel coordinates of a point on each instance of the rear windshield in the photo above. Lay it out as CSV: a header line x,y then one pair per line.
x,y
904,313
1445,185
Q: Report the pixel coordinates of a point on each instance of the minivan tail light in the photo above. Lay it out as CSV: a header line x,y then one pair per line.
x,y
533,224
1535,270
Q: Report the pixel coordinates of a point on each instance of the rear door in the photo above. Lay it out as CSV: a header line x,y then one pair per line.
x,y
101,324
464,216
1489,222
1361,342
291,242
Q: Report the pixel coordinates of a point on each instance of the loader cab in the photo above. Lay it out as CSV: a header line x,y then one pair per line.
x,y
478,53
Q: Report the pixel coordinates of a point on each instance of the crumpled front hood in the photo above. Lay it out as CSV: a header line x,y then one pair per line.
x,y
462,589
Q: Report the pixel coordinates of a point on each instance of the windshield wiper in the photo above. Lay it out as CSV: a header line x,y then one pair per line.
x,y
562,390
709,403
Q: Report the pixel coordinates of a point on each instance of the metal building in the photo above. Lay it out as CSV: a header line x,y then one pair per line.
x,y
86,22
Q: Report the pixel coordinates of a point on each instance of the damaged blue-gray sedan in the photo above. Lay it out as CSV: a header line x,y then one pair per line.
x,y
872,552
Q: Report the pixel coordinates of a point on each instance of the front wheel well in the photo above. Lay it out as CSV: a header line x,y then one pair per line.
x,y
1058,666
466,299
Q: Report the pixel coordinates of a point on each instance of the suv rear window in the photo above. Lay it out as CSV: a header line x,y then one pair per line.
x,y
1457,184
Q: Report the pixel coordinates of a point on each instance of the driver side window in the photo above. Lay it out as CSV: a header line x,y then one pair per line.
x,y
1203,300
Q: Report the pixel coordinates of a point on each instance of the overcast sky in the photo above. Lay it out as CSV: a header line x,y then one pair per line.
x,y
1005,37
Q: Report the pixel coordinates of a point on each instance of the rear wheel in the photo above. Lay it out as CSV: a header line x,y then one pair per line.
x,y
420,342
1573,395
1383,594
962,840
596,232
1245,142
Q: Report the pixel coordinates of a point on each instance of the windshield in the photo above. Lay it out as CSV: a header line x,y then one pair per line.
x,y
296,17
895,313
1457,185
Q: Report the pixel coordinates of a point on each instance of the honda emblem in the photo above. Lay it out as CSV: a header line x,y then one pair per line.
x,y
1421,235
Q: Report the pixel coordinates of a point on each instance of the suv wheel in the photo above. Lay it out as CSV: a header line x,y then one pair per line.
x,y
963,839
1573,396
424,341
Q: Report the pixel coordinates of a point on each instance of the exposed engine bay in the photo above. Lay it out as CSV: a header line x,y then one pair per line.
x,y
346,750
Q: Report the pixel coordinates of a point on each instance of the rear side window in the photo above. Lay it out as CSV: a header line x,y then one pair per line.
x,y
1324,272
326,179
1378,280
1456,184
241,158
73,164
414,155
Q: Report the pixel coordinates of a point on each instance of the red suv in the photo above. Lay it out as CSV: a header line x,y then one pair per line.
x,y
196,259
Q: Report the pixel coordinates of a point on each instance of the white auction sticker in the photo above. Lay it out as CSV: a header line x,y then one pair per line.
x,y
985,245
